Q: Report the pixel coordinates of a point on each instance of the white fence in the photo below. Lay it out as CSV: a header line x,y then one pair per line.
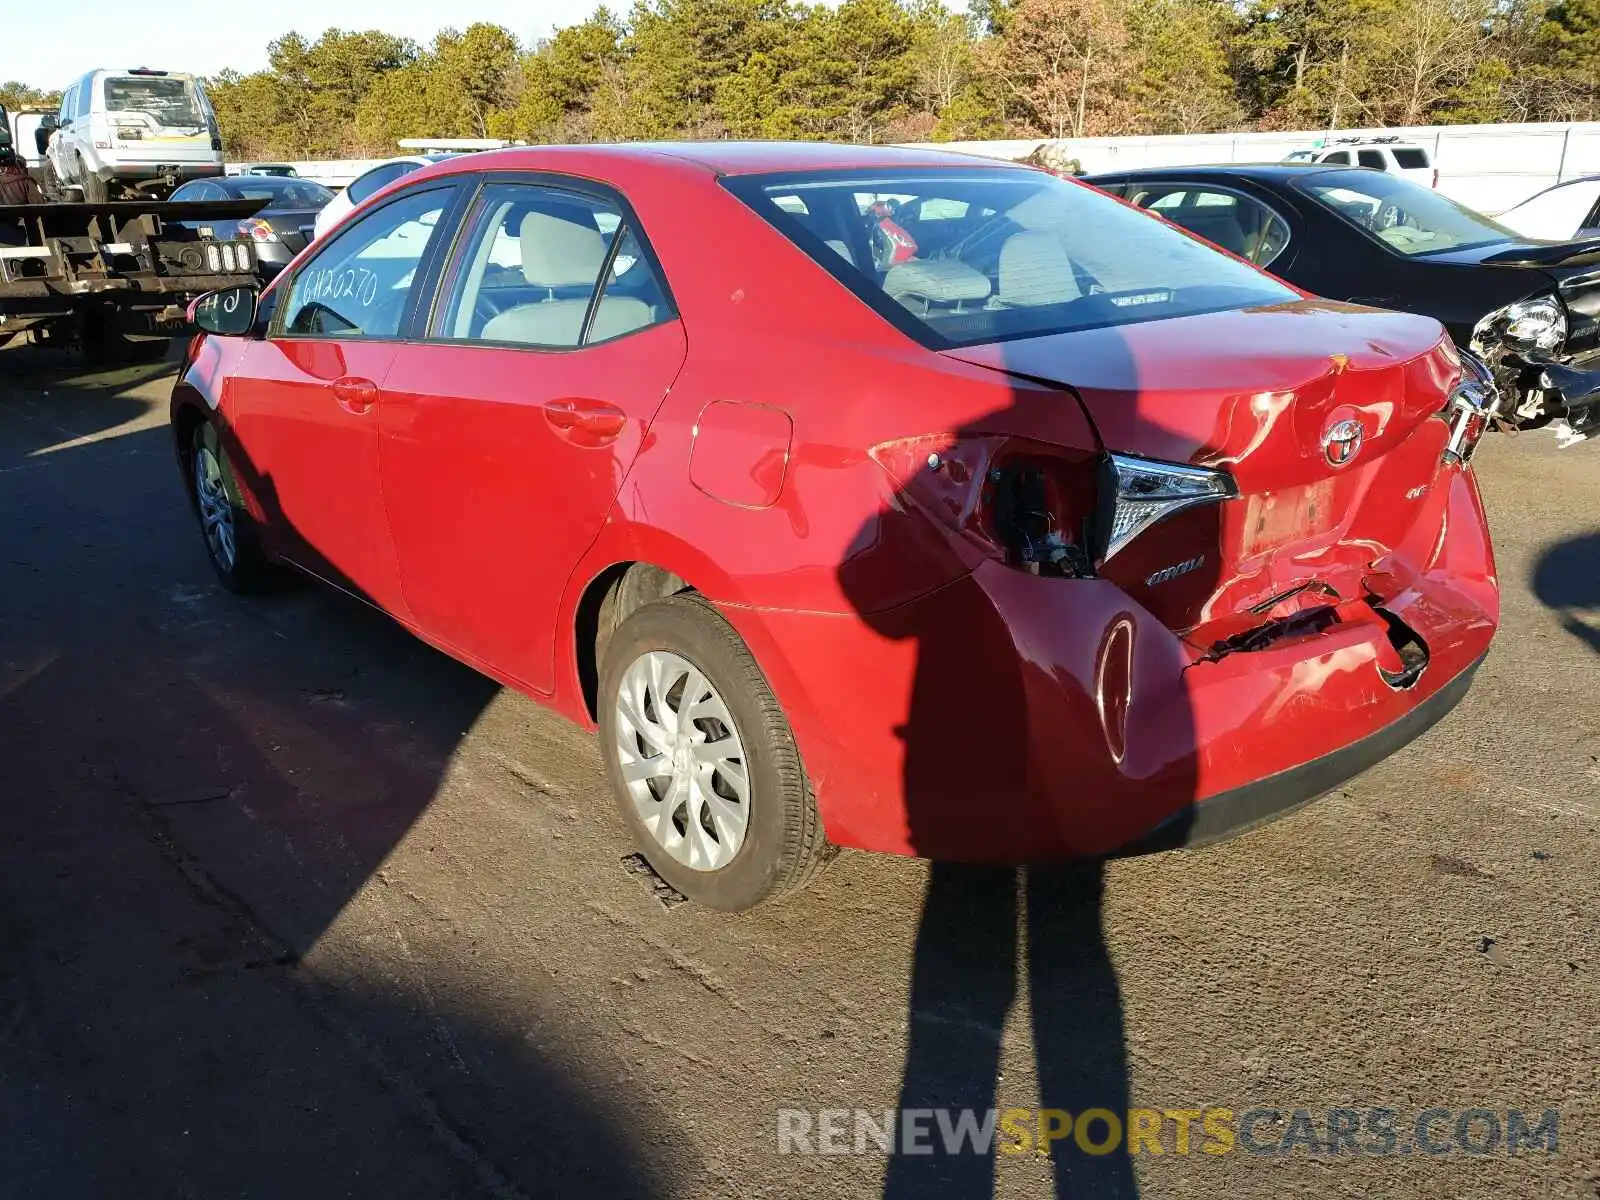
x,y
1488,167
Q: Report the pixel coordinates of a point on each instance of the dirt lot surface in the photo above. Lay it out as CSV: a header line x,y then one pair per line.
x,y
292,905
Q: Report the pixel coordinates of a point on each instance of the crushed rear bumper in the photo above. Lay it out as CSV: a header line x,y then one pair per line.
x,y
1230,814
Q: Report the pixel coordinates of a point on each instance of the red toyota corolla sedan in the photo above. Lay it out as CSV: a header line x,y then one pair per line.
x,y
883,498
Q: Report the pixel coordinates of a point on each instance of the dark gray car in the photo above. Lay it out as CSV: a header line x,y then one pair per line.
x,y
280,230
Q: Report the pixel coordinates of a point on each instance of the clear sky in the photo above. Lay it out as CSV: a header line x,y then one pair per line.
x,y
45,46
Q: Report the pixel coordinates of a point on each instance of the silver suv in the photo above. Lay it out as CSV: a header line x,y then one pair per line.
x,y
136,131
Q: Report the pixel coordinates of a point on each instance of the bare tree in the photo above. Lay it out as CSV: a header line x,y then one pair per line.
x,y
1065,62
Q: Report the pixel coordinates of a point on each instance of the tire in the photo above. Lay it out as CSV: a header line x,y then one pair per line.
x,y
103,344
54,191
780,845
94,188
219,507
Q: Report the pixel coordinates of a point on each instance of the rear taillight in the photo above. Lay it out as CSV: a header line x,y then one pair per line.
x,y
1470,408
257,230
1139,492
1029,503
1044,509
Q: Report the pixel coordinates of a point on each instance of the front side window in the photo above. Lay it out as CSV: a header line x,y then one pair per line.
x,y
169,102
1371,158
1338,157
1238,223
551,268
1028,253
360,285
1409,219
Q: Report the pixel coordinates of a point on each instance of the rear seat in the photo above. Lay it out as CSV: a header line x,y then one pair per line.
x,y
1219,226
558,255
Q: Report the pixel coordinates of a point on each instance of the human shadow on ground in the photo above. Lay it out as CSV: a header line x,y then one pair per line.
x,y
1567,580
993,766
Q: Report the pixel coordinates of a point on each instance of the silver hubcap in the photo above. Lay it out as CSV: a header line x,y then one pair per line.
x,y
216,513
682,760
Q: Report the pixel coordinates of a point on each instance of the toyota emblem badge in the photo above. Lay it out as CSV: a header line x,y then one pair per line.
x,y
1342,440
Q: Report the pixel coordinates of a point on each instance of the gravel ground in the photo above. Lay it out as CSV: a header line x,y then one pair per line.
x,y
292,905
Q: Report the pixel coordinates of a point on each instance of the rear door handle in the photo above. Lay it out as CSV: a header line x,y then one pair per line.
x,y
355,396
589,422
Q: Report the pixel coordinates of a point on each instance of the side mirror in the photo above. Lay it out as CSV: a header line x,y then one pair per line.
x,y
50,122
230,312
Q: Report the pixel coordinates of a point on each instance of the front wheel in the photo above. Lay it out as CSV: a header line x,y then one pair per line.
x,y
229,531
702,761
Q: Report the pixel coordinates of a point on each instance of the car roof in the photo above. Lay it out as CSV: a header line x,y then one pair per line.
x,y
1555,187
227,182
731,157
1277,171
426,160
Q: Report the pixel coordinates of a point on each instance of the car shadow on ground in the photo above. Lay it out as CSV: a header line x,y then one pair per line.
x,y
1567,580
195,789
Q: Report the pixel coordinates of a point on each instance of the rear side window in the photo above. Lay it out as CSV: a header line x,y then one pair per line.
x,y
1028,254
200,191
1412,160
360,284
1371,158
1239,224
279,192
550,268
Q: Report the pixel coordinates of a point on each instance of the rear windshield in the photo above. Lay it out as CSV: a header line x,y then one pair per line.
x,y
1405,216
283,193
168,100
1411,160
959,257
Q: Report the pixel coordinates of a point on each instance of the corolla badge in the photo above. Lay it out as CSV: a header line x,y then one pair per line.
x,y
1342,440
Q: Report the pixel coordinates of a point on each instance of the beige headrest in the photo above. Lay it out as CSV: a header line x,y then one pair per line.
x,y
560,253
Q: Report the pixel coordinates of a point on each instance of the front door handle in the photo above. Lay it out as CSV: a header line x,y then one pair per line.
x,y
589,422
355,396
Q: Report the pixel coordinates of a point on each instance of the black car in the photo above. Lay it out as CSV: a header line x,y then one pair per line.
x,y
280,230
1530,310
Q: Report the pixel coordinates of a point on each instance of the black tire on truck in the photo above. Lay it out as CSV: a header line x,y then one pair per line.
x,y
95,190
105,345
54,190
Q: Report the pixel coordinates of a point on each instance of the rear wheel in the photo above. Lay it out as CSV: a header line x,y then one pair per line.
x,y
94,188
226,525
701,759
